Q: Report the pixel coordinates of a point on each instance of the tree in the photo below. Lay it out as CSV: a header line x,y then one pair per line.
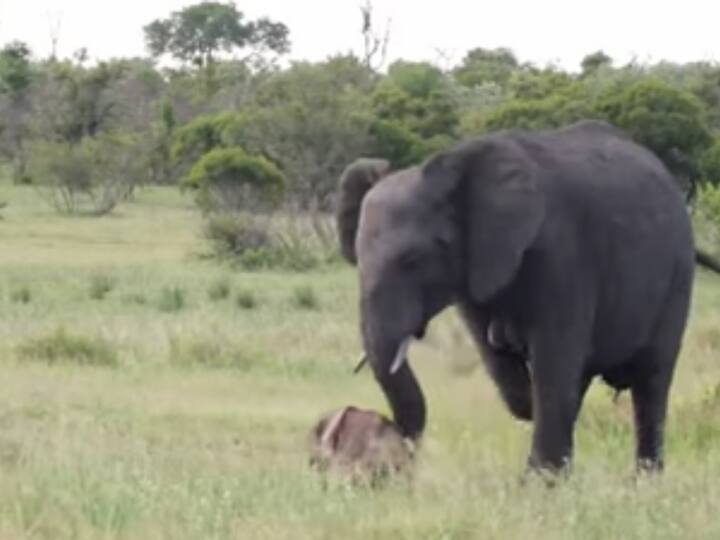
x,y
312,120
707,88
15,72
534,83
400,146
710,164
374,44
73,101
538,114
198,33
595,61
15,106
667,120
417,96
481,66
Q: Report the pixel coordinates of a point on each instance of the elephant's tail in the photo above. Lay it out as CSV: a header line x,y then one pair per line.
x,y
707,261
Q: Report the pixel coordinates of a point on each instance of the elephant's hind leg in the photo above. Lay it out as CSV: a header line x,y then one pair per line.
x,y
652,374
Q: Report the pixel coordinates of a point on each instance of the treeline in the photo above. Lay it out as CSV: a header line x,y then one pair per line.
x,y
246,132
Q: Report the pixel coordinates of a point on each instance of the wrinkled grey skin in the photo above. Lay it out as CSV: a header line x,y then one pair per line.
x,y
569,254
360,446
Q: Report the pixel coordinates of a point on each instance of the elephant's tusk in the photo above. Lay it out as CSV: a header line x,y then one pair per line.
x,y
361,363
401,356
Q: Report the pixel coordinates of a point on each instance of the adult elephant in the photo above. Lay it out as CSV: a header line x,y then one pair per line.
x,y
575,243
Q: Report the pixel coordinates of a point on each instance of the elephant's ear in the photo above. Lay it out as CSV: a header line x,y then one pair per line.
x,y
496,183
355,182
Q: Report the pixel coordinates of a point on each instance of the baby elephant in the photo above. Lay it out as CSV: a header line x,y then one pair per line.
x,y
359,445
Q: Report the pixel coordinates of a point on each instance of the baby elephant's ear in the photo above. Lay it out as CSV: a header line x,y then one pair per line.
x,y
331,434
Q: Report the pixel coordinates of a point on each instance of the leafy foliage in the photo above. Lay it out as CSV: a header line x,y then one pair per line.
x,y
537,114
481,66
659,116
230,179
710,163
89,178
15,68
595,61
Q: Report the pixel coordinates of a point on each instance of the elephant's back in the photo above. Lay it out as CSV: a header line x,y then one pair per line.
x,y
630,232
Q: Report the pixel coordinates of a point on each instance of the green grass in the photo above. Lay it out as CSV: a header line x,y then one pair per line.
x,y
199,430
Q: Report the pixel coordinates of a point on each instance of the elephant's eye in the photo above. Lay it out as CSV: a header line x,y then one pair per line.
x,y
440,242
410,258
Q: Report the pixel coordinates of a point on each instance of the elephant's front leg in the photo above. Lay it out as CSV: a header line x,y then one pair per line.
x,y
508,369
558,387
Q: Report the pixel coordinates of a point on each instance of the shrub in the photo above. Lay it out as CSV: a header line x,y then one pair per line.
x,y
21,295
89,178
171,299
231,235
228,179
61,347
255,243
100,286
305,298
245,300
710,163
219,290
214,354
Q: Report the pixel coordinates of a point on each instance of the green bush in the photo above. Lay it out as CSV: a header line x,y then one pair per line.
x,y
89,178
228,179
21,295
219,290
61,347
246,300
171,299
305,298
100,286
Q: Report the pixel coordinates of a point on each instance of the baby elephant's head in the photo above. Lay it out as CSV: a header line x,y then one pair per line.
x,y
360,445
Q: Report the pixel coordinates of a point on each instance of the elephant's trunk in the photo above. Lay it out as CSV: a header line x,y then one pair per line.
x,y
387,353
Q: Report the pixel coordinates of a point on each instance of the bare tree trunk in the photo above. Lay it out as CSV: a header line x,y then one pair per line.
x,y
375,45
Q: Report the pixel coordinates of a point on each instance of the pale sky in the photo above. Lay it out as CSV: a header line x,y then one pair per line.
x,y
541,31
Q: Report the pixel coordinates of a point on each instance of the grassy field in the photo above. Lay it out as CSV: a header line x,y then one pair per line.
x,y
148,393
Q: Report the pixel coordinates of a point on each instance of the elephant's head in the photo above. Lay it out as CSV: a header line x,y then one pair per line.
x,y
455,227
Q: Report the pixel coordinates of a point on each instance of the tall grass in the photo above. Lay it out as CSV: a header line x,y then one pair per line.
x,y
200,430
